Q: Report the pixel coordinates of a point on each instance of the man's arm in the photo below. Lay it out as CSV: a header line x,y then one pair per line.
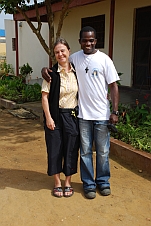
x,y
45,75
115,101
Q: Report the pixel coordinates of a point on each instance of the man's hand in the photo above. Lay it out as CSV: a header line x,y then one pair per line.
x,y
113,119
45,75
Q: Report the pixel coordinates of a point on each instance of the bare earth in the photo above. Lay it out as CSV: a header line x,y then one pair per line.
x,y
25,188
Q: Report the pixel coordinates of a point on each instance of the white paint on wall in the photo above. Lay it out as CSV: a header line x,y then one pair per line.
x,y
72,23
123,37
10,33
31,51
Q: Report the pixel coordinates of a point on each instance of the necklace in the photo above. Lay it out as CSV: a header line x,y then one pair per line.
x,y
86,69
86,58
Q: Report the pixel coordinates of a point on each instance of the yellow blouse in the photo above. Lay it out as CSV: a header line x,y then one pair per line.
x,y
68,88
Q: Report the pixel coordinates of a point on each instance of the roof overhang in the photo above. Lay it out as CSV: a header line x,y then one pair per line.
x,y
56,7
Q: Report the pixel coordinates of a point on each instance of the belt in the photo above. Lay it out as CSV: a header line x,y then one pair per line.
x,y
65,110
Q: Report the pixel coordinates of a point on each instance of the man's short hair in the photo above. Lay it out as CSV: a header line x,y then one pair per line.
x,y
87,29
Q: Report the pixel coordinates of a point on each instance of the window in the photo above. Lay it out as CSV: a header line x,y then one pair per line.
x,y
98,23
13,44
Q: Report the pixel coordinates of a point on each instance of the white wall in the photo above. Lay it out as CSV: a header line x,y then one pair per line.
x,y
123,31
30,49
123,37
72,23
10,33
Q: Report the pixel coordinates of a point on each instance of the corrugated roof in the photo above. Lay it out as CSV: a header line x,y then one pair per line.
x,y
2,33
32,6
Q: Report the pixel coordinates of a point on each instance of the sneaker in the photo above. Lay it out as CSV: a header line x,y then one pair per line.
x,y
90,194
105,191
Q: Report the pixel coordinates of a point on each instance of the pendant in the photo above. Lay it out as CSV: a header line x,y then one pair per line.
x,y
86,69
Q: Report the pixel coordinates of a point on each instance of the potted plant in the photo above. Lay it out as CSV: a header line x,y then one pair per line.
x,y
25,71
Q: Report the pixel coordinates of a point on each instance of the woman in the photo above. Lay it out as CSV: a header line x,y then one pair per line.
x,y
60,123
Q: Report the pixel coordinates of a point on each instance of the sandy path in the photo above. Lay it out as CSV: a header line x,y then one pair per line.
x,y
25,188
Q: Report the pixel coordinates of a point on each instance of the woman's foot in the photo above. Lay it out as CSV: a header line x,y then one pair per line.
x,y
57,191
68,190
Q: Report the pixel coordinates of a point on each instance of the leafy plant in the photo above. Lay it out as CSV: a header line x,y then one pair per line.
x,y
25,70
16,90
119,74
6,69
133,126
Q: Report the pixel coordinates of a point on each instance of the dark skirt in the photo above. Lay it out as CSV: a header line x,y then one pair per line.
x,y
63,145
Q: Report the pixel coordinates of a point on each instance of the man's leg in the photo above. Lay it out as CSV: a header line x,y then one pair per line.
x,y
102,145
86,158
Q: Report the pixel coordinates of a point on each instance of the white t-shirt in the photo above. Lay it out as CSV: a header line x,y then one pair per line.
x,y
93,85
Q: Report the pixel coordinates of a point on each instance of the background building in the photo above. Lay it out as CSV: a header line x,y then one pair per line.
x,y
2,45
123,32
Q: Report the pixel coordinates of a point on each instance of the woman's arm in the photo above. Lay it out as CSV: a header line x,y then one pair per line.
x,y
49,121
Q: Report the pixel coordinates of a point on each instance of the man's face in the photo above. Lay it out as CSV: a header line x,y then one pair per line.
x,y
88,42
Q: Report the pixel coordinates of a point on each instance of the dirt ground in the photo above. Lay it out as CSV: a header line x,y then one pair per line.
x,y
25,188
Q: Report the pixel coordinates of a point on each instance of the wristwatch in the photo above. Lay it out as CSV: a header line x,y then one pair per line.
x,y
115,113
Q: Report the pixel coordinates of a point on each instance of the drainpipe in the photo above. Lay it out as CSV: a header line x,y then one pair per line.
x,y
111,33
16,45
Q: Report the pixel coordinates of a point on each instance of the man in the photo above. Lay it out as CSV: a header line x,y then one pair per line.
x,y
95,73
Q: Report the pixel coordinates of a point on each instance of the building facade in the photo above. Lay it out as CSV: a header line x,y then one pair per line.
x,y
123,32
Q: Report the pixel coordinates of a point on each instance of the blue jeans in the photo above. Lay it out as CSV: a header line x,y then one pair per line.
x,y
97,132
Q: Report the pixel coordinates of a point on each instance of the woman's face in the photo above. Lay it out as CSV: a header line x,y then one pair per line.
x,y
61,53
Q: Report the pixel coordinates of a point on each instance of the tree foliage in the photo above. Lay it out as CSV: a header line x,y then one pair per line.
x,y
21,6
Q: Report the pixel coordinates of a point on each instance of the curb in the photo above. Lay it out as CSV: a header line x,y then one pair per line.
x,y
137,158
7,103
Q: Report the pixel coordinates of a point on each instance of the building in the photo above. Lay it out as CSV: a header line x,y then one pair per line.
x,y
2,45
123,28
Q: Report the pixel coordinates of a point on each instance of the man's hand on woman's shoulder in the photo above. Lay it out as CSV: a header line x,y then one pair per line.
x,y
45,75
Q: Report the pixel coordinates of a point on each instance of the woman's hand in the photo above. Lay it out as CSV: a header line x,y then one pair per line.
x,y
50,123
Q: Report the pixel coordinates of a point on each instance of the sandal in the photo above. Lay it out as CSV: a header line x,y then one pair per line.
x,y
56,190
68,189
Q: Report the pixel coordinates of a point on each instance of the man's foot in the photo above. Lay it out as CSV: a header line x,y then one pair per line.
x,y
58,192
68,192
90,194
105,191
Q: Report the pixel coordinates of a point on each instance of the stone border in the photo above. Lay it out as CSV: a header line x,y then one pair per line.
x,y
139,159
7,104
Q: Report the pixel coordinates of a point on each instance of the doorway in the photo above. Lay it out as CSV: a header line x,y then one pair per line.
x,y
142,49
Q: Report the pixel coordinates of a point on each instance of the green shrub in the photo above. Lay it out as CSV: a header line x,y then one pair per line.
x,y
6,69
13,88
25,70
134,126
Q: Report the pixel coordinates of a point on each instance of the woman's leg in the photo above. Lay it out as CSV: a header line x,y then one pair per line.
x,y
54,150
68,181
71,143
57,184
68,188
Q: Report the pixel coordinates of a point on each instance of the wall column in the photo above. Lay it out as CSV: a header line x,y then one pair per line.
x,y
16,46
111,33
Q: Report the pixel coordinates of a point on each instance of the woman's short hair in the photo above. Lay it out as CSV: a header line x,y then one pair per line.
x,y
61,41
